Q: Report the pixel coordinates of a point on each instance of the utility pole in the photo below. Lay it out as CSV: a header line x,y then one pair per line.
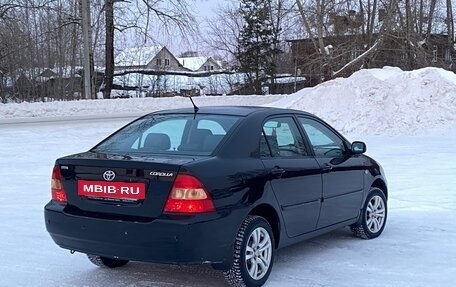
x,y
86,41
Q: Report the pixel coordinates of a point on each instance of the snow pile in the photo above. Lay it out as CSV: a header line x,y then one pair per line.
x,y
382,101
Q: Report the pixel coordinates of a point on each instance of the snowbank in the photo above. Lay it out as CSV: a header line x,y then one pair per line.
x,y
115,107
375,101
382,101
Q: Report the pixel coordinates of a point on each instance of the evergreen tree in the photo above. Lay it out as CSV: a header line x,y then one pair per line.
x,y
257,42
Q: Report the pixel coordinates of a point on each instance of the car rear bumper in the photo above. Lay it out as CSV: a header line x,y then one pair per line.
x,y
192,240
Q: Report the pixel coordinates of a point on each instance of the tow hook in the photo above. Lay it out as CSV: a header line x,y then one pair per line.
x,y
72,251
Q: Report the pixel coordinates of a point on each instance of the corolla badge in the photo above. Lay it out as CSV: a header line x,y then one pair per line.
x,y
109,175
160,173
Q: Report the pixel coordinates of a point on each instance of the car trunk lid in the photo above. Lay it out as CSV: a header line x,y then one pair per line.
x,y
118,186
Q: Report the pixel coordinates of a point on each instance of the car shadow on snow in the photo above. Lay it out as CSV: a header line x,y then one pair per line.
x,y
139,274
314,247
154,275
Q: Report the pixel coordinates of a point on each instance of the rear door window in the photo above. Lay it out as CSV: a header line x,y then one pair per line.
x,y
281,136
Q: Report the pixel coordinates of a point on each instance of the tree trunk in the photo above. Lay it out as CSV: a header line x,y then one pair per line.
x,y
109,48
74,50
450,25
408,35
58,90
320,15
88,56
421,18
370,30
431,16
363,24
326,67
2,100
306,24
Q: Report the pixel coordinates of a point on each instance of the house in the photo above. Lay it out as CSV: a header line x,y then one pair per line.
x,y
60,82
200,64
395,51
211,65
156,71
155,58
138,60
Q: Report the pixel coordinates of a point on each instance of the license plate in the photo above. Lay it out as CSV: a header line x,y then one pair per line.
x,y
117,189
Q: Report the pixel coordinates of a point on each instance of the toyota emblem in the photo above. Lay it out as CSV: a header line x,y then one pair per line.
x,y
109,175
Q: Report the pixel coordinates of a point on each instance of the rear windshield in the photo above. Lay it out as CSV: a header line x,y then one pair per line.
x,y
170,134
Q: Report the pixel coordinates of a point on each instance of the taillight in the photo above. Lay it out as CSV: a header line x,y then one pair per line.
x,y
188,195
58,194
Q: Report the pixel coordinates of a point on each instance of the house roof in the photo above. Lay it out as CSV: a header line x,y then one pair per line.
x,y
48,73
192,63
137,56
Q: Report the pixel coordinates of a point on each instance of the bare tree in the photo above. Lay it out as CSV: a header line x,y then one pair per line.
x,y
223,31
372,27
430,17
143,16
35,36
386,27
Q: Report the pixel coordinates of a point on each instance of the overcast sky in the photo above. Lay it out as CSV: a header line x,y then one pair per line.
x,y
202,10
206,7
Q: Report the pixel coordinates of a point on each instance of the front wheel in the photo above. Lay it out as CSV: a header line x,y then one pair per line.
x,y
373,217
106,262
253,254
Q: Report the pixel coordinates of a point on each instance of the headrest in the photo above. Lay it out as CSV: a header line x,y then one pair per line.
x,y
199,135
157,141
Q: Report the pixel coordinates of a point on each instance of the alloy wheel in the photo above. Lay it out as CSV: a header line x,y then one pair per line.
x,y
258,253
375,214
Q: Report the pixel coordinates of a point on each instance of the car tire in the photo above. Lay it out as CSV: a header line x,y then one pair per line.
x,y
106,262
373,216
253,250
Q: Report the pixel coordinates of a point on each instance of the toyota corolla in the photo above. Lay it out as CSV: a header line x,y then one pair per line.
x,y
225,186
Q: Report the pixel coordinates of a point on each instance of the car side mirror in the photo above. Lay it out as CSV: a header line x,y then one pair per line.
x,y
358,147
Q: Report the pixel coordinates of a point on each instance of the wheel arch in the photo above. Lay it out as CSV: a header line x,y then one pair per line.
x,y
380,184
270,214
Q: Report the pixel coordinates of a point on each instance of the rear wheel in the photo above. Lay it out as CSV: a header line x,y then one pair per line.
x,y
253,254
373,217
106,262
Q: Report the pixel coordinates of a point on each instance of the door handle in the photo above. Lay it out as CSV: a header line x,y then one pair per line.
x,y
277,171
327,167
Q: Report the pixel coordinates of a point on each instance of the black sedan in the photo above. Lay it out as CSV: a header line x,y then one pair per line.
x,y
225,186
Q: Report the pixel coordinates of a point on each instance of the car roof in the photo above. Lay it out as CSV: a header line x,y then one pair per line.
x,y
230,110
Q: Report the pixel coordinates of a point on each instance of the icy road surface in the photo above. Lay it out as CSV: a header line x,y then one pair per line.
x,y
417,248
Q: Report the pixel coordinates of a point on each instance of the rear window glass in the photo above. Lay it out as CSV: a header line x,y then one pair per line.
x,y
170,134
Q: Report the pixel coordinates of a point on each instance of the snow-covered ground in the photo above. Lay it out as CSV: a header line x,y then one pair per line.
x,y
406,119
417,248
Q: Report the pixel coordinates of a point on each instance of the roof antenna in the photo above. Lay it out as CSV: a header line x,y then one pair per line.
x,y
195,108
